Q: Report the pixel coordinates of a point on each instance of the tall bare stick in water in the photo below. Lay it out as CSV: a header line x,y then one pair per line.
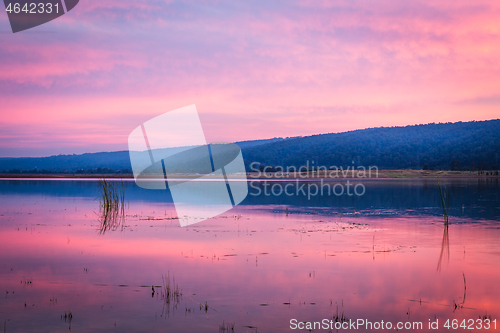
x,y
445,245
445,201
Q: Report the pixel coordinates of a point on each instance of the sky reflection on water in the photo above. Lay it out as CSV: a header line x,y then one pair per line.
x,y
257,266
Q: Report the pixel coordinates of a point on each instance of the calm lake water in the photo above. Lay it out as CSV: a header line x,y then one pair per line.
x,y
385,255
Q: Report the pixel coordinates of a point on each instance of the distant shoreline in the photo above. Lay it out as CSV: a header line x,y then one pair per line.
x,y
382,174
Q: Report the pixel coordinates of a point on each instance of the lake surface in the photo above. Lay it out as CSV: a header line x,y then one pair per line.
x,y
385,255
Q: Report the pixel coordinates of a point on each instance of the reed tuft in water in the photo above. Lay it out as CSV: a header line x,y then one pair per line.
x,y
111,194
111,205
171,294
226,327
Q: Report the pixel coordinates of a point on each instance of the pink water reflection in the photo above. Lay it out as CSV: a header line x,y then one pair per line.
x,y
255,266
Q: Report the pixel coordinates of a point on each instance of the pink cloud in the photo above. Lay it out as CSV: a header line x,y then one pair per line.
x,y
254,71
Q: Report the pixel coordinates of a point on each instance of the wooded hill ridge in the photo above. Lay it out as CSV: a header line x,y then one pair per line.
x,y
471,145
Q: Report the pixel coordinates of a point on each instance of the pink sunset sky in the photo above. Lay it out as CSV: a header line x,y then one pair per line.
x,y
254,69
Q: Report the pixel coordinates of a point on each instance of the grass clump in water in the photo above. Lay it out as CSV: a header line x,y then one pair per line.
x,y
226,327
111,205
171,294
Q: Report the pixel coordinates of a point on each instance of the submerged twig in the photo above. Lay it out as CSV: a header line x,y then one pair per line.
x,y
461,305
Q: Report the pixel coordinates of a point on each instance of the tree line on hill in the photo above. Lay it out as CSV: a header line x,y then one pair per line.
x,y
471,146
451,146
